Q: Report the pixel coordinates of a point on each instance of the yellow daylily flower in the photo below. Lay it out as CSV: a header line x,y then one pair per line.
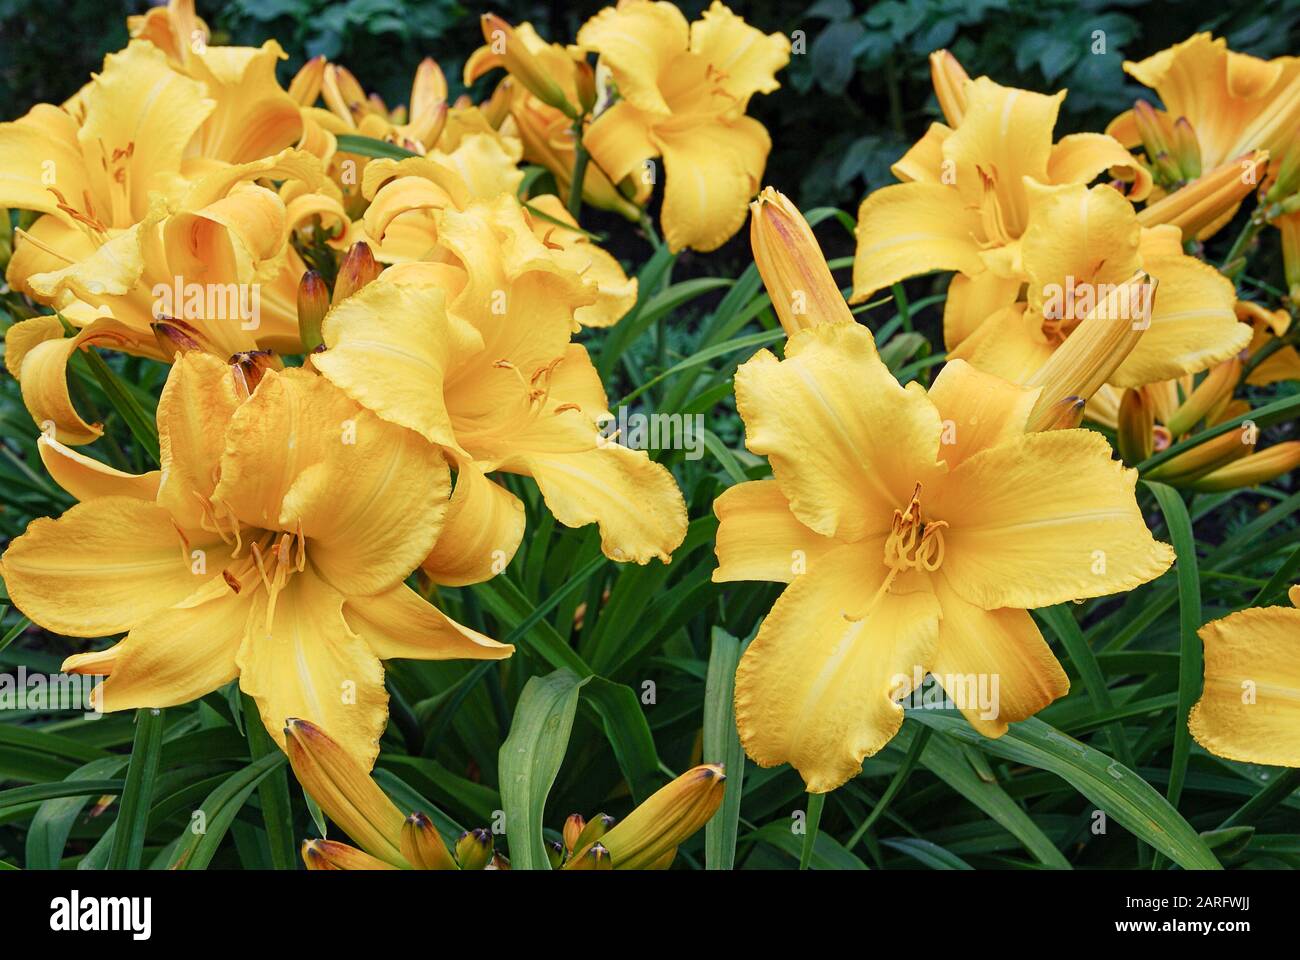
x,y
405,211
473,352
964,202
683,91
1234,103
218,261
546,130
274,549
175,29
1078,244
1250,707
915,529
1279,365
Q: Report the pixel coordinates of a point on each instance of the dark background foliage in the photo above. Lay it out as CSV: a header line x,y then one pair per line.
x,y
849,104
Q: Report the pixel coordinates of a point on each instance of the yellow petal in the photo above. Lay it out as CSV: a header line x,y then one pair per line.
x,y
978,410
745,59
997,652
633,500
405,331
37,353
194,410
175,655
619,141
923,161
400,624
1193,323
909,229
709,180
368,495
847,444
483,529
41,151
305,662
1250,707
1082,157
254,117
972,300
86,478
1044,520
1010,344
616,291
817,686
104,566
760,539
1087,237
638,42
1005,136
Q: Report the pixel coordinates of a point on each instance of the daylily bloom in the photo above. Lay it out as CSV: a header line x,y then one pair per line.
x,y
545,129
344,790
1078,244
1250,707
683,91
1234,103
965,200
473,352
404,213
915,529
271,547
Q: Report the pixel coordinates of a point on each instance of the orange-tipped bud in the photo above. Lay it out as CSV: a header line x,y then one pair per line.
x,y
573,828
343,94
306,83
332,855
313,304
584,78
422,845
358,268
596,828
790,261
949,80
249,367
175,337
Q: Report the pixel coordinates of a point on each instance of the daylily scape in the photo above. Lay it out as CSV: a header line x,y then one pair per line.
x,y
317,470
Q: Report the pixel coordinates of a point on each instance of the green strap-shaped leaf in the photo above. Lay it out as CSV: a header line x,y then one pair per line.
x,y
133,813
530,760
722,744
50,827
196,849
1107,783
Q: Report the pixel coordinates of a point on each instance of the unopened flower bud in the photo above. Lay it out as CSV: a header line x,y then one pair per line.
x,y
790,261
522,64
474,849
332,855
313,304
1137,422
358,268
422,845
175,337
655,828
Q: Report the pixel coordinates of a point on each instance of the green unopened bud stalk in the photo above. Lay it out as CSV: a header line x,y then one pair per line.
x,y
1202,459
1251,470
474,849
313,304
1210,394
422,845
